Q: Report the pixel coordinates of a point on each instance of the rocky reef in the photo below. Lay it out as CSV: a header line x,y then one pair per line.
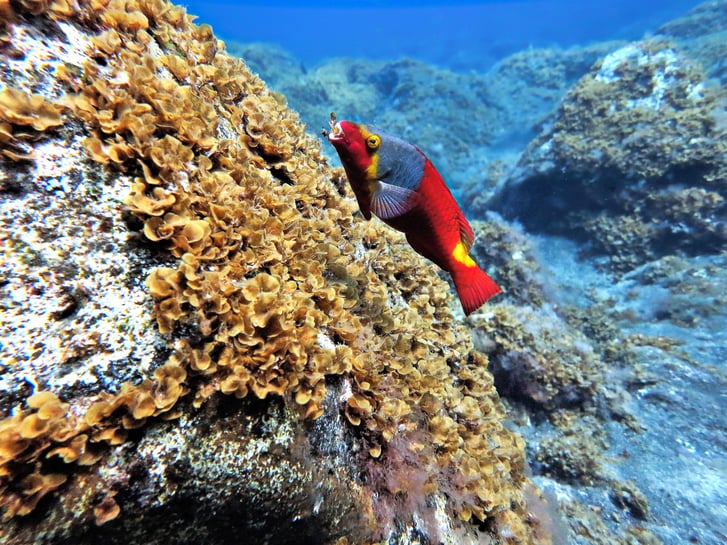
x,y
700,34
464,120
597,176
201,339
617,242
632,161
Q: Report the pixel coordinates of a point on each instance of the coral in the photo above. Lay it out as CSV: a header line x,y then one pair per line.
x,y
264,284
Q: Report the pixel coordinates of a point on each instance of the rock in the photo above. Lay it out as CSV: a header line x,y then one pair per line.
x,y
613,381
538,78
457,118
231,468
539,360
702,34
633,161
204,343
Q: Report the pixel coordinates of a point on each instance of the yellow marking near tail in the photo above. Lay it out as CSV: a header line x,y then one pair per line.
x,y
460,254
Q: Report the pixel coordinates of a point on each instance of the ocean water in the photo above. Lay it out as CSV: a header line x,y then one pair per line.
x,y
460,35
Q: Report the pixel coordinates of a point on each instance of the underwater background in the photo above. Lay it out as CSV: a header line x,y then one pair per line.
x,y
202,341
462,35
475,84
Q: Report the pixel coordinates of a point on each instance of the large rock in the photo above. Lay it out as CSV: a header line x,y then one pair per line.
x,y
702,33
633,161
201,341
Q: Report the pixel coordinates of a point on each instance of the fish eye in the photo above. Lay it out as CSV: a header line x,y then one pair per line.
x,y
373,141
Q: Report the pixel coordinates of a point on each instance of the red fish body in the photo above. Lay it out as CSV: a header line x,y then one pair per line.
x,y
395,181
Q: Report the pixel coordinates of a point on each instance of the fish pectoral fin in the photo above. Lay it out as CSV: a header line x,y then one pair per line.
x,y
389,201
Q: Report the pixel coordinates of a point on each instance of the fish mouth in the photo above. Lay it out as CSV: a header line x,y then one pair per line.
x,y
336,133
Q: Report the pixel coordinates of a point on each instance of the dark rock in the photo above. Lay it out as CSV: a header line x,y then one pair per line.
x,y
234,468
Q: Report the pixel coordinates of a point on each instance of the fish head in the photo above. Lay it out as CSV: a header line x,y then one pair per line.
x,y
357,146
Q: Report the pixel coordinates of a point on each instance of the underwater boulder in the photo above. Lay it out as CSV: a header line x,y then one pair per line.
x,y
702,33
201,340
633,161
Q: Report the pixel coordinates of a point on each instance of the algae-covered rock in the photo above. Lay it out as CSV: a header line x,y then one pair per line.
x,y
599,376
204,341
231,468
615,383
633,160
702,33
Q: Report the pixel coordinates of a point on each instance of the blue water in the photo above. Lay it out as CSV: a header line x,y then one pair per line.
x,y
460,35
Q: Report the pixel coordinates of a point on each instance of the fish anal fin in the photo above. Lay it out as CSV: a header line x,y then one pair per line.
x,y
461,255
390,201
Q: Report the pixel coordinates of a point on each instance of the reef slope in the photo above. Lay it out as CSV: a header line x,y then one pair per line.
x,y
201,338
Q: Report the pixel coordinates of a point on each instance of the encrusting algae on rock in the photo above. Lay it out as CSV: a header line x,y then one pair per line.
x,y
266,283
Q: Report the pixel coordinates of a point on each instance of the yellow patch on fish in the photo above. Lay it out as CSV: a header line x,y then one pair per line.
x,y
460,254
373,168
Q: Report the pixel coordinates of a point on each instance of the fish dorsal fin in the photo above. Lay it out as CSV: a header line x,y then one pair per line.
x,y
466,234
389,201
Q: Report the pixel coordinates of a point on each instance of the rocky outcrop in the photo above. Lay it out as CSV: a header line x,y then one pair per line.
x,y
203,340
457,118
633,161
702,34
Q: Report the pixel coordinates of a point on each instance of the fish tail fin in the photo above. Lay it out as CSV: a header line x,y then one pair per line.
x,y
474,287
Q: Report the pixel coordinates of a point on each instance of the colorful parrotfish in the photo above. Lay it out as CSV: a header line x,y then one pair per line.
x,y
396,182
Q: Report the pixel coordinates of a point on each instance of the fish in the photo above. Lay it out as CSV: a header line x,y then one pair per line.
x,y
396,182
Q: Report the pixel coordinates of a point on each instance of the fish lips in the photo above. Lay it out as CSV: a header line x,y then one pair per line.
x,y
336,135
